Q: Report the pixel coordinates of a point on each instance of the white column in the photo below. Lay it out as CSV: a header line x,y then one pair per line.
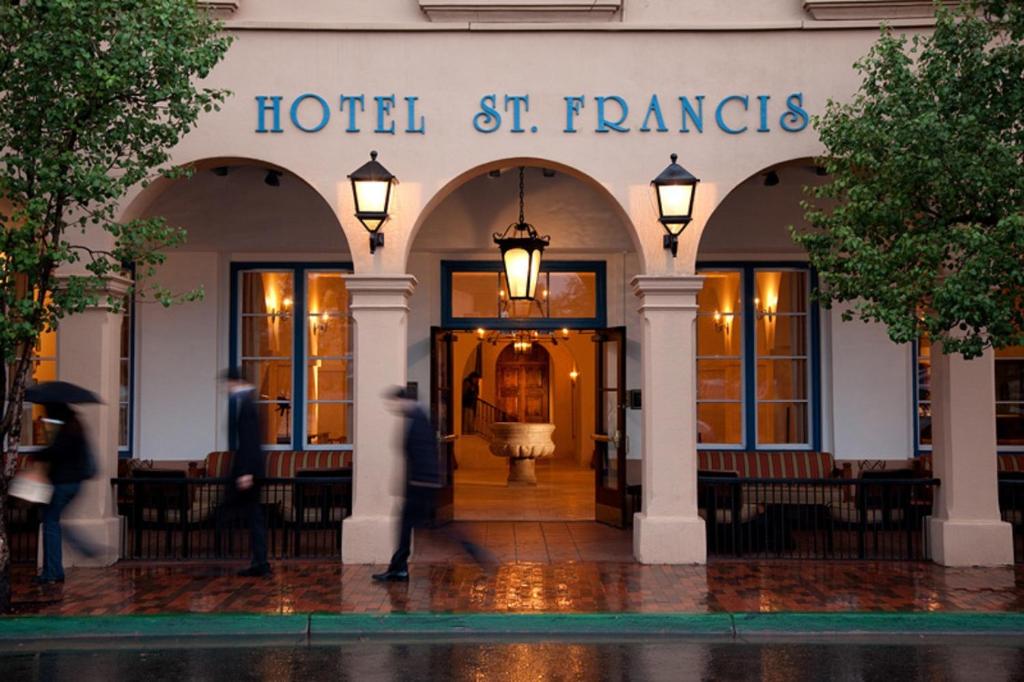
x,y
89,354
669,531
380,310
965,529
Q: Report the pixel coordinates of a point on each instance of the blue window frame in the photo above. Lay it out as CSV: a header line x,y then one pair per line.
x,y
759,364
126,394
594,269
307,393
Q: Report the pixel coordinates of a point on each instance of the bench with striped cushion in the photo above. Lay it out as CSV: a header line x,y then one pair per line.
x,y
283,463
781,464
1012,462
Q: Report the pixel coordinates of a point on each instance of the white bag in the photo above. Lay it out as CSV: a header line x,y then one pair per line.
x,y
31,487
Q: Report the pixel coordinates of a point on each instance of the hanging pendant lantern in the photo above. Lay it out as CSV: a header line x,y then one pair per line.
x,y
521,253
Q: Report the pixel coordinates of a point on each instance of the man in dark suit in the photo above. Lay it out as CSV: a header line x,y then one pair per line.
x,y
422,481
247,468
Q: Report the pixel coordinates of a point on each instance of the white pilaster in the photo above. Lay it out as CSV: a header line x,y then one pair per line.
x,y
965,529
669,531
380,310
89,354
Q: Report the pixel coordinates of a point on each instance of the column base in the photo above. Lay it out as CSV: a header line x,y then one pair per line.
x,y
970,543
669,539
103,535
368,539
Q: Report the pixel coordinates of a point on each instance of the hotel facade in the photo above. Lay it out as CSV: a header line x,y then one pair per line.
x,y
642,353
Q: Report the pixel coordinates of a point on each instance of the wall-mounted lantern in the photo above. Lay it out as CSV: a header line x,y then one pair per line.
x,y
371,187
675,189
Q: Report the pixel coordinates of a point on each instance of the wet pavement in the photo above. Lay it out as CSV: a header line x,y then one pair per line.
x,y
988,659
529,587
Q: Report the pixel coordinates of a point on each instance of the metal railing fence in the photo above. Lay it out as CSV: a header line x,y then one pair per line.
x,y
813,518
188,518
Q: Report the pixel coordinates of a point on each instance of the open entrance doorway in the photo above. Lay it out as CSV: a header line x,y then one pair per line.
x,y
545,370
553,398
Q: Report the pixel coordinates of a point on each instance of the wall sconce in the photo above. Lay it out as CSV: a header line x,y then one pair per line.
x,y
723,322
319,323
371,187
767,312
675,188
574,375
565,333
481,333
284,312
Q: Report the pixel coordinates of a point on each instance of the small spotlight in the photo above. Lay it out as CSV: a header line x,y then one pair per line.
x,y
548,172
273,178
219,171
496,173
771,178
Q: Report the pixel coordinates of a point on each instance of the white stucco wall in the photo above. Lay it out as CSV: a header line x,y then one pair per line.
x,y
872,399
177,364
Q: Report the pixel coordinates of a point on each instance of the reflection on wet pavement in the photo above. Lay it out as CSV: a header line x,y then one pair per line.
x,y
992,660
529,587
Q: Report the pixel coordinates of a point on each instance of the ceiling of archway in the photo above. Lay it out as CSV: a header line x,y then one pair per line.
x,y
240,212
577,216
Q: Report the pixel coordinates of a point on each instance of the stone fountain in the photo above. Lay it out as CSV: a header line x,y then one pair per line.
x,y
523,443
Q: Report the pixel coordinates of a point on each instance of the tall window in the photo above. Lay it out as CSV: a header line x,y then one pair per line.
x,y
124,396
755,358
44,368
294,344
1009,396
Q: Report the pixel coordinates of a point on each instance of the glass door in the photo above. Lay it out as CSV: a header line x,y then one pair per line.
x,y
442,412
610,427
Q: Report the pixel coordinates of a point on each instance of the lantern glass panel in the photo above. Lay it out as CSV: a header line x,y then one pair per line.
x,y
675,200
372,197
518,269
535,256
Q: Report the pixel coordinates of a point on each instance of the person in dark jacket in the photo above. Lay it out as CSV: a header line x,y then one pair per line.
x,y
247,469
422,481
69,461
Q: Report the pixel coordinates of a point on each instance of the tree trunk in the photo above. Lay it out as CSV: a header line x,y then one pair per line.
x,y
11,434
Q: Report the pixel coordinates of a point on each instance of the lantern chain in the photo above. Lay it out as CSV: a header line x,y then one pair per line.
x,y
522,214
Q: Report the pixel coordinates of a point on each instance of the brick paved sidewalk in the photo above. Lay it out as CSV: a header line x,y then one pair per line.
x,y
528,587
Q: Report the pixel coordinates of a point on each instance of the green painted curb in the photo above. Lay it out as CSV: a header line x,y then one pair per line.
x,y
20,629
965,623
718,624
163,625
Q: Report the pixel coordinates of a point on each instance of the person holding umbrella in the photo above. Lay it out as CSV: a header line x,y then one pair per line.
x,y
69,461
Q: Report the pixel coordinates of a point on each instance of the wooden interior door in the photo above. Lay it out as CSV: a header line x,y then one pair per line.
x,y
523,385
610,427
442,411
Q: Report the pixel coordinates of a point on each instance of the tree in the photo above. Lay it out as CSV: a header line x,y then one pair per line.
x,y
921,226
93,94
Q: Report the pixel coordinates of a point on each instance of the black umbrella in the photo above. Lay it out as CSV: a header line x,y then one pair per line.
x,y
60,392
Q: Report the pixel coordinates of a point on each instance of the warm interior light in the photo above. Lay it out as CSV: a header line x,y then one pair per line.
x,y
675,202
521,272
480,332
574,375
372,197
565,332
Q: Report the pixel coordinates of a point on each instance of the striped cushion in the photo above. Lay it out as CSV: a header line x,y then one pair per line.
x,y
750,464
1006,462
284,463
1012,462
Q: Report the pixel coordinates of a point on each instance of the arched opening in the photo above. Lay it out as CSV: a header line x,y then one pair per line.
x,y
267,252
758,331
584,290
